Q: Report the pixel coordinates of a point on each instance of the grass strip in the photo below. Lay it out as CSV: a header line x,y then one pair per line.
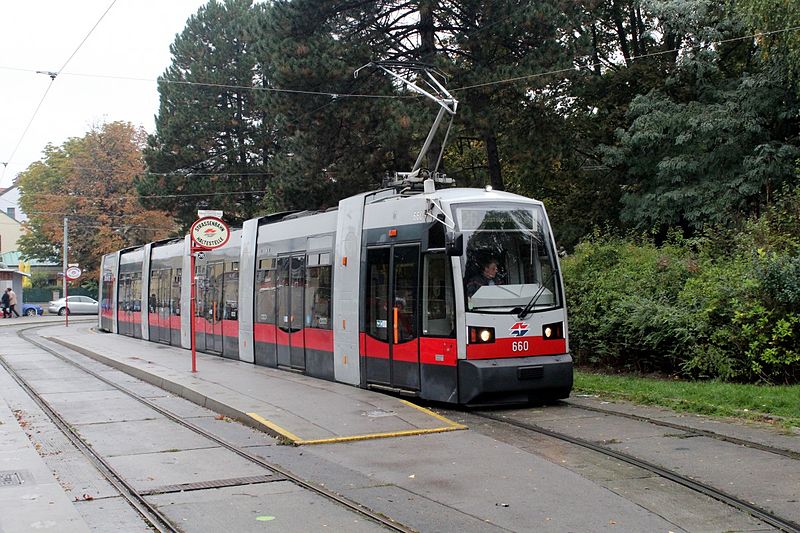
x,y
778,404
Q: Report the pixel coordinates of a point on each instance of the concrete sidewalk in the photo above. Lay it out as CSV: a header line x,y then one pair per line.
x,y
31,498
440,480
297,408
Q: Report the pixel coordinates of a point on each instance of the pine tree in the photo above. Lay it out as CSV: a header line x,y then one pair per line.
x,y
211,141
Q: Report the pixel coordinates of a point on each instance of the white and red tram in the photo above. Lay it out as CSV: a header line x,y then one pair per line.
x,y
374,294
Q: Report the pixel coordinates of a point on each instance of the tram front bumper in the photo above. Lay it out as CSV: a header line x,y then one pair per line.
x,y
514,379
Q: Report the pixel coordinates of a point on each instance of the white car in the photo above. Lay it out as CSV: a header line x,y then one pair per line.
x,y
78,305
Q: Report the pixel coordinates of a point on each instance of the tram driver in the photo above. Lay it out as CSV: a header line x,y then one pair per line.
x,y
487,276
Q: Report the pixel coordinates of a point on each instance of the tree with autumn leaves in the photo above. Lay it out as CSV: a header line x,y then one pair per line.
x,y
89,179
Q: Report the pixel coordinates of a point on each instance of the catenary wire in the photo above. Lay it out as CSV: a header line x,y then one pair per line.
x,y
80,45
53,76
465,88
641,56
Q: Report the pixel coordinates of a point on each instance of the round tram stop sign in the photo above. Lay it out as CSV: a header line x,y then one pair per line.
x,y
209,233
73,273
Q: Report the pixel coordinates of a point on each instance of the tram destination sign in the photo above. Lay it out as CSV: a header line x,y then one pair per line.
x,y
210,232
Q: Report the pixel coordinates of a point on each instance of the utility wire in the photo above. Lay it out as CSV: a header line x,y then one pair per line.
x,y
87,36
642,56
148,196
384,96
53,76
25,131
336,95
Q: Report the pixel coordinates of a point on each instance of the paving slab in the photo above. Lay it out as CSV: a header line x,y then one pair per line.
x,y
111,514
767,434
276,506
30,497
518,491
132,437
151,471
98,407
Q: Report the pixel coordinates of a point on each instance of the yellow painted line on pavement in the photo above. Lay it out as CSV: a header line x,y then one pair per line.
x,y
450,423
390,434
276,428
451,426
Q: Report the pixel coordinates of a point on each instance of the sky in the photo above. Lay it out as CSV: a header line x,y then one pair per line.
x,y
131,41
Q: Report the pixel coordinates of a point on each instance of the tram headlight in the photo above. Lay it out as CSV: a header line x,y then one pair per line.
x,y
480,335
553,331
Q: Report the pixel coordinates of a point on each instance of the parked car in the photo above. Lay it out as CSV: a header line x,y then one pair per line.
x,y
78,305
31,309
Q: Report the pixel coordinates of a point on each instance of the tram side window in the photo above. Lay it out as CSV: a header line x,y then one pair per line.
x,y
377,305
282,293
122,292
200,288
298,273
318,292
230,291
136,291
108,289
155,286
265,291
438,305
213,295
175,304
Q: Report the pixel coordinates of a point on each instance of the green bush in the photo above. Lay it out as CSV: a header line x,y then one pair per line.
x,y
675,309
621,298
779,276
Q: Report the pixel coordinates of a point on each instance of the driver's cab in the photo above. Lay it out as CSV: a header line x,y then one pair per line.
x,y
515,240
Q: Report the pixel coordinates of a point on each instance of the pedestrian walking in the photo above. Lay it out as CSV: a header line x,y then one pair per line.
x,y
12,302
4,302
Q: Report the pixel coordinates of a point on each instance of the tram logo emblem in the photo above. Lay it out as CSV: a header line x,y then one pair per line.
x,y
520,329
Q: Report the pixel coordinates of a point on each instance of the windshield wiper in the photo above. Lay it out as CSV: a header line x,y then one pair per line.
x,y
535,298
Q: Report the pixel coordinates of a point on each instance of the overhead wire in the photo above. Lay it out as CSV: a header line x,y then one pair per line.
x,y
634,57
385,96
53,76
336,95
150,196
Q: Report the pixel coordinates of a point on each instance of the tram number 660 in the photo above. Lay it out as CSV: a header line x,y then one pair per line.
x,y
519,346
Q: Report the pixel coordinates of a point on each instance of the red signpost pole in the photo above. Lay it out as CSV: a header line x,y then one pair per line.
x,y
66,300
192,311
207,233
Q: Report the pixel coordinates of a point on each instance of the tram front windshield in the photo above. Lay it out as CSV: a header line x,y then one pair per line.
x,y
508,260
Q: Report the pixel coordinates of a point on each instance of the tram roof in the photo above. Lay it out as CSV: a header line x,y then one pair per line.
x,y
466,195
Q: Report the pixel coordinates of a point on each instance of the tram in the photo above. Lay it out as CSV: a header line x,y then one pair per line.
x,y
377,293
446,294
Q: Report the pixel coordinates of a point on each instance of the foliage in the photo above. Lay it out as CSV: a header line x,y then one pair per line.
x,y
40,280
88,180
682,308
622,302
713,143
778,20
211,140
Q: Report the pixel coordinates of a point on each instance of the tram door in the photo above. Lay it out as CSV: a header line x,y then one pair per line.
x,y
290,284
209,310
391,343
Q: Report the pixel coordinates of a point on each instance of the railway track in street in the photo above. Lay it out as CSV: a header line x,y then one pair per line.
x,y
737,501
692,430
138,498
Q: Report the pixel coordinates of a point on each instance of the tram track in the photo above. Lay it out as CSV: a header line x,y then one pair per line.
x,y
137,498
734,501
691,431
